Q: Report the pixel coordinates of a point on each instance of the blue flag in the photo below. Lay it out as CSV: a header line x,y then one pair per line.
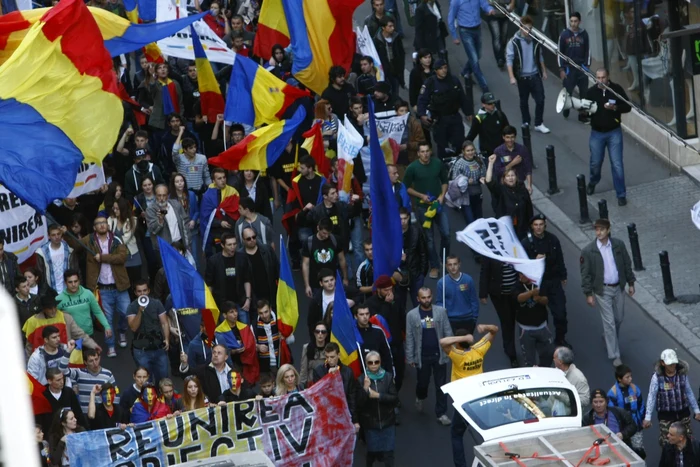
x,y
386,222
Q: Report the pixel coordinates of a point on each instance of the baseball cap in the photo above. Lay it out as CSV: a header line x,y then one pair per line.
x,y
139,153
669,357
537,217
488,98
439,63
598,393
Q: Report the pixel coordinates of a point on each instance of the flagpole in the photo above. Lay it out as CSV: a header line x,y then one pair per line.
x,y
444,281
177,322
225,130
362,359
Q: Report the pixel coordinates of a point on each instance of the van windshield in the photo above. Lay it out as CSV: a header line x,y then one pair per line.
x,y
527,405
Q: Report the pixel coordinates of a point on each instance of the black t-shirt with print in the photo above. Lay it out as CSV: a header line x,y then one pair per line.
x,y
321,254
231,279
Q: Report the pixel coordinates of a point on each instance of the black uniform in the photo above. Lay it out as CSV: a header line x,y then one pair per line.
x,y
441,100
488,127
554,274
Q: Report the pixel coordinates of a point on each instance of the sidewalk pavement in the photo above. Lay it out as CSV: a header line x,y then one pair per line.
x,y
659,200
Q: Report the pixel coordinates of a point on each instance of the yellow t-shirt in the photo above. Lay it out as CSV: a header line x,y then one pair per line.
x,y
469,362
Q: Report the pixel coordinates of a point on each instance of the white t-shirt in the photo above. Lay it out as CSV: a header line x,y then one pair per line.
x,y
171,219
57,260
327,300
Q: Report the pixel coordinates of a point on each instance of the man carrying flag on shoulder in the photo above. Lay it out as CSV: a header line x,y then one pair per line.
x,y
219,211
239,339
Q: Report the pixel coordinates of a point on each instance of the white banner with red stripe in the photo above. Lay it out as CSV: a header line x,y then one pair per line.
x,y
23,229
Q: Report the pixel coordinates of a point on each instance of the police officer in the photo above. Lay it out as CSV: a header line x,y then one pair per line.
x,y
439,103
488,125
541,244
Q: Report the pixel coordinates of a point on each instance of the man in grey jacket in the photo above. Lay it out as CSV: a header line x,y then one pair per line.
x,y
166,218
605,269
425,326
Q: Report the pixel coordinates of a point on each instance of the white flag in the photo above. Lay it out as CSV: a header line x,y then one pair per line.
x,y
496,239
365,46
695,214
349,144
90,177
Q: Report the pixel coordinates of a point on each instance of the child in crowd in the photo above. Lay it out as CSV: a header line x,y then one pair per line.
x,y
626,395
267,386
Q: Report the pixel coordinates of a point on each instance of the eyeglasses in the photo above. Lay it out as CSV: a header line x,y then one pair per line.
x,y
373,362
320,331
252,237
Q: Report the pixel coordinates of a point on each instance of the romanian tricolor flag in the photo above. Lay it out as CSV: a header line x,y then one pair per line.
x,y
187,287
272,29
152,51
287,303
76,356
255,96
344,330
249,357
321,34
211,208
260,149
120,36
59,105
40,403
209,92
313,143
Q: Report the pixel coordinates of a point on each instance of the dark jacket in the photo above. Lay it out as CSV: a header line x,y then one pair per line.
x,y
67,399
349,386
375,414
132,180
12,271
27,309
517,48
691,454
430,32
216,279
394,66
316,306
416,248
390,312
576,46
605,120
514,202
246,394
624,419
592,268
244,270
490,277
443,97
262,197
488,127
373,339
57,447
209,379
416,80
548,245
342,229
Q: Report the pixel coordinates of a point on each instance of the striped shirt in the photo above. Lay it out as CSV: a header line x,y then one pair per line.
x,y
509,278
85,381
195,171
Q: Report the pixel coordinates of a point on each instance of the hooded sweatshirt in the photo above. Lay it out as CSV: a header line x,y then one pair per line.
x,y
81,306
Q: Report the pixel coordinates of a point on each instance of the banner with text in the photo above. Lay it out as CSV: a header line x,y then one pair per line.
x,y
309,428
392,127
90,177
365,46
23,229
496,239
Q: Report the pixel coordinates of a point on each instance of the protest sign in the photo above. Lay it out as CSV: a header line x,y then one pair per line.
x,y
23,229
312,427
365,46
495,238
393,127
90,177
349,144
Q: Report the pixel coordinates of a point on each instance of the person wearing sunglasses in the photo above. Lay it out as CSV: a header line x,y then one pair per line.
x,y
375,410
313,354
259,268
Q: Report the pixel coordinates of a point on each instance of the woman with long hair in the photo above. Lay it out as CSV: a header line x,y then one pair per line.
x,y
188,200
114,192
323,112
376,401
123,224
141,202
287,380
313,354
255,188
510,198
64,423
193,397
37,286
473,170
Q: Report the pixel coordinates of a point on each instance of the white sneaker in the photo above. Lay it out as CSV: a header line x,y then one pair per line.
x,y
419,405
111,353
542,129
444,420
122,340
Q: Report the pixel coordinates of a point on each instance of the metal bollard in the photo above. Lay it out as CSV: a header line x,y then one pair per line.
x,y
527,142
552,171
669,297
634,245
582,199
603,210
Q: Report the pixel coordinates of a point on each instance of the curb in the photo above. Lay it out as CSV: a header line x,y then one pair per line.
x,y
581,235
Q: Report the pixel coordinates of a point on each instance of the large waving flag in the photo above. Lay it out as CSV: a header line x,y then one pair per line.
x,y
272,29
287,302
260,149
152,51
211,208
209,93
187,288
386,222
249,357
344,330
321,36
59,105
313,143
120,36
256,96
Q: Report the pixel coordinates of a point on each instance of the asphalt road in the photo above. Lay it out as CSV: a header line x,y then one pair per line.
x,y
420,439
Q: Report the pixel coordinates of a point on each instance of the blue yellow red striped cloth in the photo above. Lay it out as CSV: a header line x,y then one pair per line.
x,y
210,97
287,302
344,330
272,29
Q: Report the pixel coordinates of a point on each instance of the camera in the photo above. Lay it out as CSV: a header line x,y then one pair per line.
x,y
164,211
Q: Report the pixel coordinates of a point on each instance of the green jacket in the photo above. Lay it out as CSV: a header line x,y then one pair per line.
x,y
81,306
592,267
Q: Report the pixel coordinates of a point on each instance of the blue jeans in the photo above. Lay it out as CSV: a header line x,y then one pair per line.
x,y
597,143
531,85
471,40
499,31
114,300
358,251
155,361
475,210
443,224
431,365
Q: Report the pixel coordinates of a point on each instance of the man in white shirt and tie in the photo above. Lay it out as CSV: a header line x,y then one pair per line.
x,y
605,270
